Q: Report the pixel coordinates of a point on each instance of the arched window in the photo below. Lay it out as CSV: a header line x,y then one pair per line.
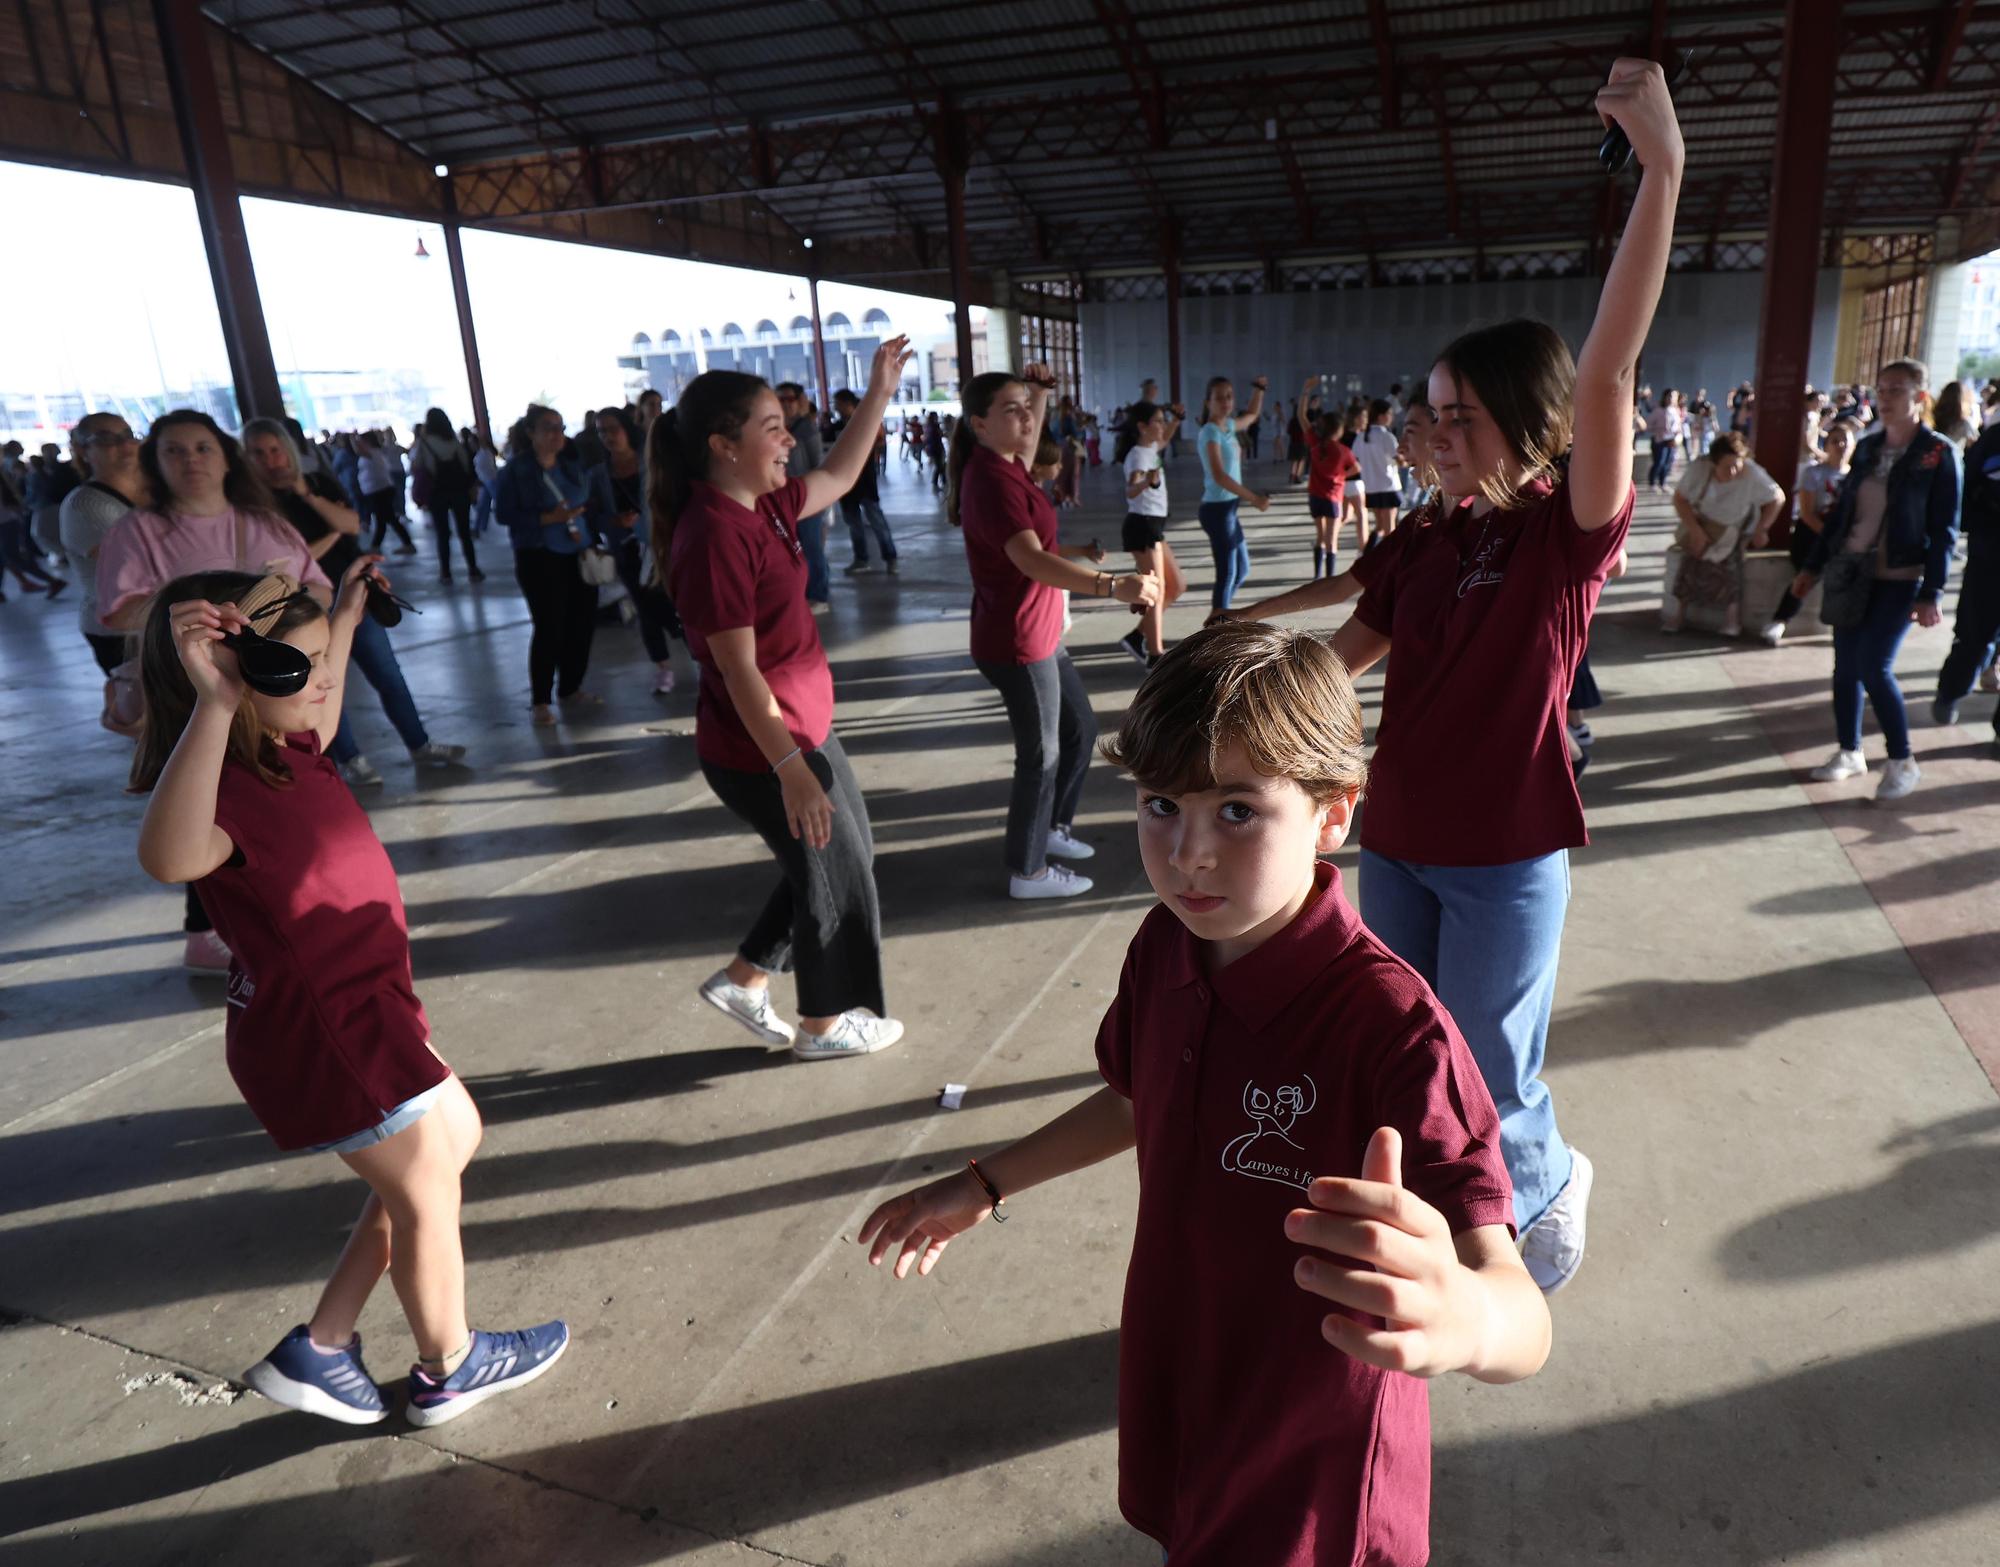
x,y
767,331
877,317
802,325
670,338
706,337
732,333
641,341
838,323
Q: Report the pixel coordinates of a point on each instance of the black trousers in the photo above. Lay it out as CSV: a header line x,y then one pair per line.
x,y
196,919
658,619
385,509
563,608
822,920
1977,625
1054,729
445,515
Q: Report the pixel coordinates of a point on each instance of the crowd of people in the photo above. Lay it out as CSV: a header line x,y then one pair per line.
x,y
1402,1192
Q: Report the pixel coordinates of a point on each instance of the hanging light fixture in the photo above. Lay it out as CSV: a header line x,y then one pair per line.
x,y
422,254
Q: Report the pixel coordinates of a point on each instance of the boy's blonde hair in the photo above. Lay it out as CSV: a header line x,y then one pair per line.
x,y
1283,695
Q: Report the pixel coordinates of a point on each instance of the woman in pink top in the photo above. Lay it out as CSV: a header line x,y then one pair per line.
x,y
217,515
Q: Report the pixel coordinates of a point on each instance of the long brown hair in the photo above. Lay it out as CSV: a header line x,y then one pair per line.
x,y
980,393
716,402
1525,379
170,696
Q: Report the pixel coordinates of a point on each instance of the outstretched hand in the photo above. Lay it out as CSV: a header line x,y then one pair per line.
x,y
352,602
1393,1258
1636,99
918,1225
885,377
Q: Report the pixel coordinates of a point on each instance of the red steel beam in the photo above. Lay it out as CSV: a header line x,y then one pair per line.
x,y
212,171
1170,268
1449,168
1967,161
1385,65
1798,197
461,295
1951,24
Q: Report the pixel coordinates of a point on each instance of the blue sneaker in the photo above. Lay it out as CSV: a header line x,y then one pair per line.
x,y
496,1363
330,1382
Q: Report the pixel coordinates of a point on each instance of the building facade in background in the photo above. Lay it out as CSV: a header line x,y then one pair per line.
x,y
667,363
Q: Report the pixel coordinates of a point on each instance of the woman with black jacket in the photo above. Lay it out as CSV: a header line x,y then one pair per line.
x,y
1887,551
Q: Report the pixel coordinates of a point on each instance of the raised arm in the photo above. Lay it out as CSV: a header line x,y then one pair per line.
x,y
851,453
1250,415
1600,469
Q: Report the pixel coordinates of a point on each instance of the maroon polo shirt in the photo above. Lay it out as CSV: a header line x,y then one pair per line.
x,y
1244,1438
730,567
1015,619
325,1033
1486,618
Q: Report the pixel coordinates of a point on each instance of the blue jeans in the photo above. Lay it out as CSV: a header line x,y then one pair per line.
x,y
1864,659
864,518
1227,544
1486,939
812,539
1663,462
482,506
376,660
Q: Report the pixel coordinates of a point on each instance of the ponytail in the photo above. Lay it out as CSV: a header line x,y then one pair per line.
x,y
717,402
1138,414
980,392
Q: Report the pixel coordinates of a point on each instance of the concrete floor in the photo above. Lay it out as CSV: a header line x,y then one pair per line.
x,y
1773,1010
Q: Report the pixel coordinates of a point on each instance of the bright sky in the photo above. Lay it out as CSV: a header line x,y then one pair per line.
x,y
114,296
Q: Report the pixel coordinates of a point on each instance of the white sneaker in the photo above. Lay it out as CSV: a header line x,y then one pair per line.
x,y
361,774
856,1034
750,1007
1057,882
818,606
1899,777
204,952
431,754
1552,1248
1772,634
1065,845
663,680
1839,766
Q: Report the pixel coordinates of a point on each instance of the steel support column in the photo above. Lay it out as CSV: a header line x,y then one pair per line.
x,y
819,344
462,297
1170,268
1791,256
960,242
212,172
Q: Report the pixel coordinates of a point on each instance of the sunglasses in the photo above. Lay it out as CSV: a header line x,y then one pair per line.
x,y
1615,151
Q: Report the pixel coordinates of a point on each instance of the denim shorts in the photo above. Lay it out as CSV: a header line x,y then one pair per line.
x,y
408,1113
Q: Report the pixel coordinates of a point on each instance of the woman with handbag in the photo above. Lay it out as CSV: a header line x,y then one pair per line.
x,y
545,504
214,514
1882,563
442,469
1720,500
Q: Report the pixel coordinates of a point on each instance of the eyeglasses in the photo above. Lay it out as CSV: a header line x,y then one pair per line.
x,y
110,438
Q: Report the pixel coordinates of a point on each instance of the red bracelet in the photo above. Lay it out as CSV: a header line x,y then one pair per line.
x,y
992,1191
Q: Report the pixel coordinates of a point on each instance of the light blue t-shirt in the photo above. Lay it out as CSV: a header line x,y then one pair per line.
x,y
1224,436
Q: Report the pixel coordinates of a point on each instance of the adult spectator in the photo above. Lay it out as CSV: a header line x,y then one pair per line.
x,y
486,473
861,507
213,514
446,469
807,452
1021,575
345,462
545,506
14,552
1978,625
650,404
108,452
1219,447
49,484
1666,427
1885,557
1721,500
379,477
618,487
725,521
1952,418
314,505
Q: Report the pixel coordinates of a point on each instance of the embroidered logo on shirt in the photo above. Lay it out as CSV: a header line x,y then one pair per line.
x,y
242,989
1269,1152
1485,569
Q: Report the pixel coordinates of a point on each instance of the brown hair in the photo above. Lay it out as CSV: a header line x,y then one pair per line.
x,y
242,486
1283,695
981,392
716,402
1729,443
169,695
1524,377
1047,453
1915,369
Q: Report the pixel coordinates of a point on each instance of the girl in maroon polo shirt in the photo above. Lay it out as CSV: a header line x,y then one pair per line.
x,y
1473,811
1020,571
725,519
326,1038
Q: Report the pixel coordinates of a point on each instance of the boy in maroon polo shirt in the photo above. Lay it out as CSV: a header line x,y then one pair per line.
x,y
1310,1130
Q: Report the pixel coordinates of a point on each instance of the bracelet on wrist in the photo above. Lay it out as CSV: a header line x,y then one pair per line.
x,y
797,750
992,1192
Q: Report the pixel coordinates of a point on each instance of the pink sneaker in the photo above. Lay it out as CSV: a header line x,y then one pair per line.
x,y
206,953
